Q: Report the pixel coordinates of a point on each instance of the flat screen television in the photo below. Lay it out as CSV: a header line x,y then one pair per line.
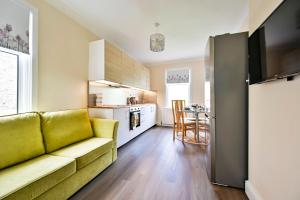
x,y
274,48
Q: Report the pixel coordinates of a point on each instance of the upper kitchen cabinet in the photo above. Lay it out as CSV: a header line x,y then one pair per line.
x,y
109,63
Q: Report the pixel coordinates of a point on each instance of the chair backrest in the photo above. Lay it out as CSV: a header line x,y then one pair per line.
x,y
177,110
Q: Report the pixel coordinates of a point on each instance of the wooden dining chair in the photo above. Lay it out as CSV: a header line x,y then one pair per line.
x,y
180,123
203,126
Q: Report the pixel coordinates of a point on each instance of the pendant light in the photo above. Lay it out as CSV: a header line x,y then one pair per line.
x,y
157,40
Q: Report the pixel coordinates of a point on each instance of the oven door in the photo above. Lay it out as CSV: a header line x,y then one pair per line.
x,y
135,119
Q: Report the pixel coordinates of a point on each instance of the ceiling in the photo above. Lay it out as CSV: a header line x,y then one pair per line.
x,y
186,24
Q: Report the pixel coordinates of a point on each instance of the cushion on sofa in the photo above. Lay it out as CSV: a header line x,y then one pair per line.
x,y
63,128
30,179
86,151
21,138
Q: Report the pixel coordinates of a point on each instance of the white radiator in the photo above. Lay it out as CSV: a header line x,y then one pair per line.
x,y
166,117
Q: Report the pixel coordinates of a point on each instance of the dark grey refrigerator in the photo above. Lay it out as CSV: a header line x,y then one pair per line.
x,y
226,99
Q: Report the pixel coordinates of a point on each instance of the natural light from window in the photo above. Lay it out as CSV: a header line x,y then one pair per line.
x,y
178,91
8,83
177,85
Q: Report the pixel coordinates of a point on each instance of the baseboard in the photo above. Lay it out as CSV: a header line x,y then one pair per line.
x,y
251,192
165,125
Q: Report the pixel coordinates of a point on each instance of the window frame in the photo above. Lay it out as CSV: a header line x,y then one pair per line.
x,y
167,103
33,57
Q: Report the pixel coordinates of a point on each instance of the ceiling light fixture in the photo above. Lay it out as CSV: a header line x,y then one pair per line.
x,y
157,40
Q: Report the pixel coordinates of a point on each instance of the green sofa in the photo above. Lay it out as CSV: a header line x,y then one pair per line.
x,y
51,155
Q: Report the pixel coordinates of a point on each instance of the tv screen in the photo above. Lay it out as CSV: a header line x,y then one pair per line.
x,y
274,48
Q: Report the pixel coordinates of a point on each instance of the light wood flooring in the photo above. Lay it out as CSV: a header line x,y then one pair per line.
x,y
153,167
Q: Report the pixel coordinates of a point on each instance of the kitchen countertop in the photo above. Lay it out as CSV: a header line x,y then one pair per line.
x,y
121,106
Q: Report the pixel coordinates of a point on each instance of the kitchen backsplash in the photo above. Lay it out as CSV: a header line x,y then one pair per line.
x,y
118,96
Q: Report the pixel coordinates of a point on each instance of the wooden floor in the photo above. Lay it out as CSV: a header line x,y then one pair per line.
x,y
153,167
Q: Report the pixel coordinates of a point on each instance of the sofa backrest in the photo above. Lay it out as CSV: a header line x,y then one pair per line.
x,y
20,138
63,128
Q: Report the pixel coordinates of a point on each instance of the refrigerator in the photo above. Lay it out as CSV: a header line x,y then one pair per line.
x,y
226,101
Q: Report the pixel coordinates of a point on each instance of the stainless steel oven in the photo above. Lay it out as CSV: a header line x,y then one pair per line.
x,y
134,117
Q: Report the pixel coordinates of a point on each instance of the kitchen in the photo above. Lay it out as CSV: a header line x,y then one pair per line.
x,y
99,100
119,88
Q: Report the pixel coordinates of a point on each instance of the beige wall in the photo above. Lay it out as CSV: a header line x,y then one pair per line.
x,y
245,25
158,81
274,130
62,60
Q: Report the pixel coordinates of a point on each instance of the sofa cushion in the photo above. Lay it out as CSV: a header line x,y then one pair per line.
x,y
21,138
64,128
30,179
86,151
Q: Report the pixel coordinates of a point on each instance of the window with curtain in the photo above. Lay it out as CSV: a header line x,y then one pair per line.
x,y
8,83
177,85
15,57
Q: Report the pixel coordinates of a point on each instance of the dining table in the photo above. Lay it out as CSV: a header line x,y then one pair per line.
x,y
196,111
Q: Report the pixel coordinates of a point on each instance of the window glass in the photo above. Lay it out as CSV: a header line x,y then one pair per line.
x,y
178,91
8,83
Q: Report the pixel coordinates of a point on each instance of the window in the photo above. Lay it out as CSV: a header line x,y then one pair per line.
x,y
177,85
8,83
15,82
207,94
178,91
18,57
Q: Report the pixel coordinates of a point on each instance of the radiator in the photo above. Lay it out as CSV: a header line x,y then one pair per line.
x,y
166,117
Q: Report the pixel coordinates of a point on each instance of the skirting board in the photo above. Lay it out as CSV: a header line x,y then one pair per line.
x,y
251,192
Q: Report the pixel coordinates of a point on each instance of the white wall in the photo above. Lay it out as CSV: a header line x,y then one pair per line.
x,y
158,81
274,129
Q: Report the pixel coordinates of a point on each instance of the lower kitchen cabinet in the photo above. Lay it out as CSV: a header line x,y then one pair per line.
x,y
122,114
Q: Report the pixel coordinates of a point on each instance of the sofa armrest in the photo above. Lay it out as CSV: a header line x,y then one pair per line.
x,y
105,128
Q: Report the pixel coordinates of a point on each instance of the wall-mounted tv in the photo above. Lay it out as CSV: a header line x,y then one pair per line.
x,y
274,48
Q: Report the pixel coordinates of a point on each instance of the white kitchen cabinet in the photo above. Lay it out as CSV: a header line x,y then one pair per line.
x,y
148,116
152,115
143,126
124,134
148,119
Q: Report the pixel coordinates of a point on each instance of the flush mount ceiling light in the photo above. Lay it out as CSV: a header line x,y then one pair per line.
x,y
157,40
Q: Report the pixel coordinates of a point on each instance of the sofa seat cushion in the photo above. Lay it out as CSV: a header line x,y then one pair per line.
x,y
30,179
63,128
21,138
86,151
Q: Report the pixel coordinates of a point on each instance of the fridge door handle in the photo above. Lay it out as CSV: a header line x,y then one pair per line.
x,y
209,117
